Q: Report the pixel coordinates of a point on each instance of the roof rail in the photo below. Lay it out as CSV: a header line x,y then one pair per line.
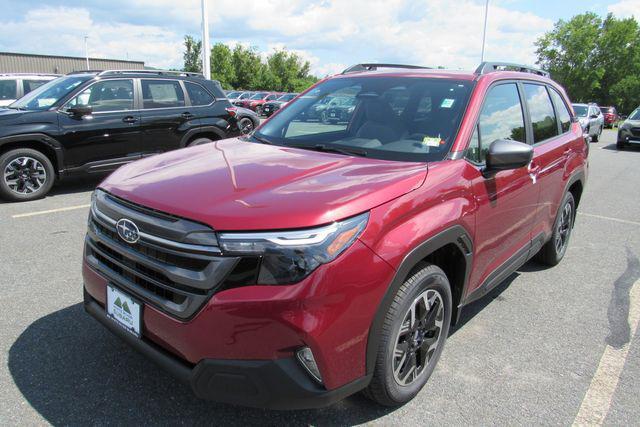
x,y
373,67
84,72
489,67
152,72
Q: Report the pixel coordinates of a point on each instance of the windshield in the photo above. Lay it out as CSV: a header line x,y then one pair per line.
x,y
581,110
635,115
232,94
259,95
606,109
287,97
245,95
408,119
48,94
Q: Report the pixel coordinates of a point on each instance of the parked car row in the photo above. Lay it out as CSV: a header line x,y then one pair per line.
x,y
257,101
94,122
15,86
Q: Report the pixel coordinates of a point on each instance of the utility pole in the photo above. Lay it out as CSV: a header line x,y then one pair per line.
x,y
86,51
206,50
484,31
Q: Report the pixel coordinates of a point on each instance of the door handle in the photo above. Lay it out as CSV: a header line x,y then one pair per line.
x,y
187,115
130,119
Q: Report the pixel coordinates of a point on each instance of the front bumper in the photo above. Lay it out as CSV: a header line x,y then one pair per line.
x,y
273,384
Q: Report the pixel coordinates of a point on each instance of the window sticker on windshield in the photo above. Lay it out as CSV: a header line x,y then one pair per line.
x,y
447,103
431,141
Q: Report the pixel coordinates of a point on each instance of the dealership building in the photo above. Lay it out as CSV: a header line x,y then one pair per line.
x,y
28,63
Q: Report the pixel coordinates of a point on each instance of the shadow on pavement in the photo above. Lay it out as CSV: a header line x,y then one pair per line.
x,y
630,148
73,372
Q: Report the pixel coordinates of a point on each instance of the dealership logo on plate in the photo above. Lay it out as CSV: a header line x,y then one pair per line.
x,y
128,230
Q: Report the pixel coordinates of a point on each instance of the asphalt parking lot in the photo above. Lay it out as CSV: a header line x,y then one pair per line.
x,y
525,354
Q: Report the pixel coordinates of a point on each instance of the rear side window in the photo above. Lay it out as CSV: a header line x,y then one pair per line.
x,y
543,118
563,112
8,89
162,94
30,85
501,118
197,94
104,96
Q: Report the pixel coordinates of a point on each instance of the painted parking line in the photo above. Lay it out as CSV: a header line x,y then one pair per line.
x,y
608,218
69,208
596,403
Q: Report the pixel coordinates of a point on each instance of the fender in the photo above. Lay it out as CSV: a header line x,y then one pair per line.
x,y
457,235
202,129
42,138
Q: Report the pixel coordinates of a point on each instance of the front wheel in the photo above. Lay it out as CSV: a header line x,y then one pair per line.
x,y
412,338
27,175
553,251
596,137
245,125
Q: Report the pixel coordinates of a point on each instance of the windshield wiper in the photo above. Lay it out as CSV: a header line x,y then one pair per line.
x,y
332,149
261,140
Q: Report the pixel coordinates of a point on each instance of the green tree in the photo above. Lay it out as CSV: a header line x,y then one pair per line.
x,y
595,59
222,68
291,70
247,65
192,55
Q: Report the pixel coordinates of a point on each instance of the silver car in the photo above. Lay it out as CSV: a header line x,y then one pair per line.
x,y
15,86
629,131
591,119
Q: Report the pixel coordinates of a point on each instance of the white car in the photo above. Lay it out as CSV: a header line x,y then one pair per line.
x,y
15,86
591,120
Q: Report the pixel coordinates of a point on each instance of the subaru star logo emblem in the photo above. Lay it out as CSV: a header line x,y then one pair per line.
x,y
128,230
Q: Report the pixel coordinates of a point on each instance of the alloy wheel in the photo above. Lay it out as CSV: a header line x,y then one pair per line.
x,y
418,337
563,228
25,175
246,126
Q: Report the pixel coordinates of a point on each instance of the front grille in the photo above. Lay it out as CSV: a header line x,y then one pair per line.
x,y
635,132
168,267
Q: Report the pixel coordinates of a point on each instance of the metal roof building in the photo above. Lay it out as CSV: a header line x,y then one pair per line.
x,y
28,63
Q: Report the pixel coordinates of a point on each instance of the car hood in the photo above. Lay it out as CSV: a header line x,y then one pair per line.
x,y
238,185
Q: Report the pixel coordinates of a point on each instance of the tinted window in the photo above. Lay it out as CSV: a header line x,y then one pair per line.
x,y
109,95
8,89
374,117
501,118
30,85
581,110
543,118
162,94
635,115
259,95
197,94
48,94
563,112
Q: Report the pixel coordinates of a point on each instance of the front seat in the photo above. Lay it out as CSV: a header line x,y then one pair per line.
x,y
381,122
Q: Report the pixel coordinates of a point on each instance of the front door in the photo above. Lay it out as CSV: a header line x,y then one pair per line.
x,y
506,202
108,137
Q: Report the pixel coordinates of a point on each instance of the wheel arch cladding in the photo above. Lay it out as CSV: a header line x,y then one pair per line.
x,y
53,154
452,251
211,132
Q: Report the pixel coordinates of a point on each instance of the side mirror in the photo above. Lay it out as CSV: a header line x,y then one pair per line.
x,y
505,154
80,110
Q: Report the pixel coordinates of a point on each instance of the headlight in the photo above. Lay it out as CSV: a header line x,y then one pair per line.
x,y
290,256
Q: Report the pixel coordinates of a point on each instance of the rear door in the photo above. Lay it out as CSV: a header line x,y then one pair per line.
x,y
165,115
111,135
552,137
506,201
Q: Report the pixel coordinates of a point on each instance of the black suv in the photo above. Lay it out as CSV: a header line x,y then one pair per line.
x,y
96,121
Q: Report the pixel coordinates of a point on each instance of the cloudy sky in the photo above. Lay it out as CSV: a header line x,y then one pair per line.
x,y
331,34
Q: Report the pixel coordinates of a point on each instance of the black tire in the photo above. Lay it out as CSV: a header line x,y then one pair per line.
x,y
38,173
553,251
245,126
596,137
385,388
620,145
199,141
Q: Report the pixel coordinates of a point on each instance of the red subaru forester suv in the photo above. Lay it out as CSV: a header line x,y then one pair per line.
x,y
309,261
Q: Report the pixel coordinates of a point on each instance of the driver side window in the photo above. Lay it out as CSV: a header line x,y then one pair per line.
x,y
109,95
501,118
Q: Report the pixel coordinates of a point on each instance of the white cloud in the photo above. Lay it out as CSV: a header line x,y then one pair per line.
x,y
330,34
61,31
625,8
